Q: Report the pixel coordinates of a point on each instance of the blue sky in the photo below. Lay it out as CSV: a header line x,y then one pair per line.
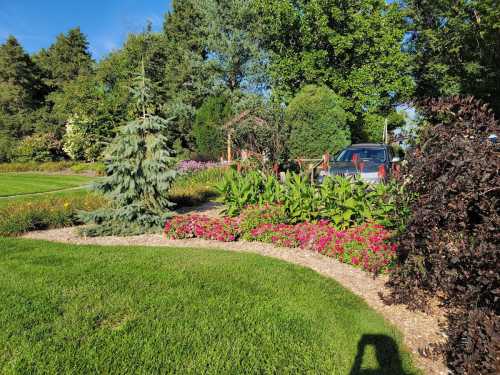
x,y
36,23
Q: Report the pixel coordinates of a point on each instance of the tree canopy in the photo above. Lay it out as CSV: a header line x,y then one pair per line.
x,y
21,88
352,47
373,55
66,59
456,45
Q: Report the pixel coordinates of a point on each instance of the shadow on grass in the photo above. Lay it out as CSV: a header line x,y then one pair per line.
x,y
208,208
192,199
386,352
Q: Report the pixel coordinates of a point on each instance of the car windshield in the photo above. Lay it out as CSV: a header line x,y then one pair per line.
x,y
371,154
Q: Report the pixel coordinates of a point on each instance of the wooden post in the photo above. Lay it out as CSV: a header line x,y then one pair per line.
x,y
276,169
326,161
386,134
229,151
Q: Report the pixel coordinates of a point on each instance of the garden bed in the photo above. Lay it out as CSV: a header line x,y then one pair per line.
x,y
367,246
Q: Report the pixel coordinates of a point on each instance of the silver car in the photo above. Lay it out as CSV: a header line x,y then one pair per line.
x,y
372,162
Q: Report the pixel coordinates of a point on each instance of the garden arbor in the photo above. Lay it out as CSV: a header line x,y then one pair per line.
x,y
249,137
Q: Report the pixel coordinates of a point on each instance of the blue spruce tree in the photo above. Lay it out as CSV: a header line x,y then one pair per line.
x,y
139,168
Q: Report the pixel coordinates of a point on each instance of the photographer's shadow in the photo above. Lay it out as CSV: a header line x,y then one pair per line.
x,y
386,352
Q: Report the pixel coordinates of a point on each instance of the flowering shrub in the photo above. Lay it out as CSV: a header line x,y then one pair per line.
x,y
365,246
255,215
39,147
80,141
199,226
189,166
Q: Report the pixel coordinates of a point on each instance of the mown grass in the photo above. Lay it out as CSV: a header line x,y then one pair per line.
x,y
197,187
30,183
88,309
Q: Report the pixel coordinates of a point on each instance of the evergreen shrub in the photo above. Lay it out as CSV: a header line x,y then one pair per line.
x,y
318,123
208,129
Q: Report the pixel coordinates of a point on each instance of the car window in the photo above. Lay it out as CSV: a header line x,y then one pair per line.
x,y
372,154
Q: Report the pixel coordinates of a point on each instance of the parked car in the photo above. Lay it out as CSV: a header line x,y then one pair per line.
x,y
370,161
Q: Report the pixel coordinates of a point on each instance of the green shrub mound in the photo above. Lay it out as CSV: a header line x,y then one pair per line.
x,y
451,245
40,147
208,129
318,123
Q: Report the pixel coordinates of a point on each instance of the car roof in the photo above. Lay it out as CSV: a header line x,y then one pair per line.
x,y
368,145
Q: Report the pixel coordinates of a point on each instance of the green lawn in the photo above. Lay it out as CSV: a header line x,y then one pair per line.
x,y
82,309
29,183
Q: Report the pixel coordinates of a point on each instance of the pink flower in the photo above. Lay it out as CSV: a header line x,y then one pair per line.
x,y
366,246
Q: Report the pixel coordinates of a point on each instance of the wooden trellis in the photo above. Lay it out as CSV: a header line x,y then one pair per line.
x,y
229,127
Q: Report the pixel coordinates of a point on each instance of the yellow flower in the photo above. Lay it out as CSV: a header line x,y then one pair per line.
x,y
66,205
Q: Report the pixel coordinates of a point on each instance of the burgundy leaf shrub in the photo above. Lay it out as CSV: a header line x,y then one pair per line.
x,y
451,244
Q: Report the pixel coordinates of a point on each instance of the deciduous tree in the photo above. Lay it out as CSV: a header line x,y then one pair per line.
x,y
352,47
457,48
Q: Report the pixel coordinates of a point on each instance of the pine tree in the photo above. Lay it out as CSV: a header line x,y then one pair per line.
x,y
66,59
21,89
140,173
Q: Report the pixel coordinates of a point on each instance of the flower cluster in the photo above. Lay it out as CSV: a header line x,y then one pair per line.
x,y
254,215
366,246
189,166
199,226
